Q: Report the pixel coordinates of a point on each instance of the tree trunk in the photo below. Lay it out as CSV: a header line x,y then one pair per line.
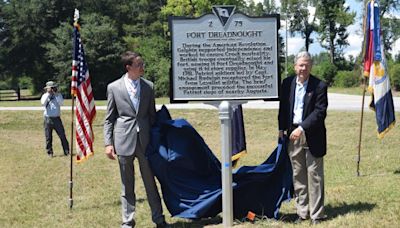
x,y
332,49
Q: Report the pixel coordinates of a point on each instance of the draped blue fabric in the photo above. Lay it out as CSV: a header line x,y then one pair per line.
x,y
190,174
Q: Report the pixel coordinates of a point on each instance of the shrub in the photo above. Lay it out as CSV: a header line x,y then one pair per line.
x,y
25,82
328,72
5,85
394,74
317,72
290,71
346,79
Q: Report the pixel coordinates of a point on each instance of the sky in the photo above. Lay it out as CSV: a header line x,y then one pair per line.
x,y
355,38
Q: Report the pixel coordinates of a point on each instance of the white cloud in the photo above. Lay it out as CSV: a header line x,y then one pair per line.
x,y
396,48
355,38
311,13
294,45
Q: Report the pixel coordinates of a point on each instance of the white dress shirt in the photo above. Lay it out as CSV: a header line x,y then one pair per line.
x,y
133,87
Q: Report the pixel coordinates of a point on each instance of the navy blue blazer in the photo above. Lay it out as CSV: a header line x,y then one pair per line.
x,y
314,112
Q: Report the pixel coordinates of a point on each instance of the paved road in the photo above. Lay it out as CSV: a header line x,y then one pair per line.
x,y
336,102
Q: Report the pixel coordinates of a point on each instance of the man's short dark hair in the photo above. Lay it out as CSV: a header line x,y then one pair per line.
x,y
128,57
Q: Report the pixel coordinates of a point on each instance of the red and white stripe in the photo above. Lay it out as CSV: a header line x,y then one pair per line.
x,y
85,111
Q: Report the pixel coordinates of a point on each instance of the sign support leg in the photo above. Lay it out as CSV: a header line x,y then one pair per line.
x,y
225,114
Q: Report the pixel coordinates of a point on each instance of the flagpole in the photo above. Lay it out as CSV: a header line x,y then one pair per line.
x,y
286,41
361,125
71,185
364,89
71,201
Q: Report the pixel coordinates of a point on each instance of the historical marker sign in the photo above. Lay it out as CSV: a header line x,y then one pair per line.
x,y
224,56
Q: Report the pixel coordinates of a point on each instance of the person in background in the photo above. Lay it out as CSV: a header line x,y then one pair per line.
x,y
52,100
302,112
130,114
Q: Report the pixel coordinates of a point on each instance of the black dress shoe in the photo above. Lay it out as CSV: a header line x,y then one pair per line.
x,y
163,225
299,220
316,221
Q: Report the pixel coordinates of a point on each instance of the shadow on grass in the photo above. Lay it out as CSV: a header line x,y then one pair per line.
x,y
344,208
198,223
396,171
334,211
114,203
288,218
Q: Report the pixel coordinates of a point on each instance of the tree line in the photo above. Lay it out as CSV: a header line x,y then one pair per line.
x,y
36,37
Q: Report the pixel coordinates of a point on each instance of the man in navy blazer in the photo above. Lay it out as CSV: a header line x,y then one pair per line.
x,y
130,114
302,112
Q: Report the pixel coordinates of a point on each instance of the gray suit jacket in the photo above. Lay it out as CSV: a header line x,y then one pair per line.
x,y
122,120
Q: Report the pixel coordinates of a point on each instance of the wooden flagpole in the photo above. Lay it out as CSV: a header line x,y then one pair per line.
x,y
364,87
361,125
286,40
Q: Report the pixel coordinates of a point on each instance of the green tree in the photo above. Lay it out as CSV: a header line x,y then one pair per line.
x,y
320,58
240,4
390,24
334,19
301,19
155,52
347,79
190,8
260,9
254,9
102,50
4,34
394,73
59,53
326,71
35,35
270,6
28,24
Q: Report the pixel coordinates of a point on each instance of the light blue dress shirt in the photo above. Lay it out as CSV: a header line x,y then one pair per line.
x,y
299,101
51,104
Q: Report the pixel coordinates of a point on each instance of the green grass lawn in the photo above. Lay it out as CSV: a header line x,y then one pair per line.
x,y
34,189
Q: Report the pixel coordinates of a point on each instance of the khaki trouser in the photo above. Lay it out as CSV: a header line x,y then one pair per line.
x,y
308,179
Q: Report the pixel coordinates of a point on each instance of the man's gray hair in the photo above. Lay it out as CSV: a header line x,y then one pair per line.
x,y
302,54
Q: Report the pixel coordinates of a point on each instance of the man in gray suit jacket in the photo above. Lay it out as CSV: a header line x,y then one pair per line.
x,y
130,115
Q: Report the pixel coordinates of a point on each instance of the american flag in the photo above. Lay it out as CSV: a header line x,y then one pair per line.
x,y
85,109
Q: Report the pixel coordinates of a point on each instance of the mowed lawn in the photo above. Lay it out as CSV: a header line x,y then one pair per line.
x,y
34,189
